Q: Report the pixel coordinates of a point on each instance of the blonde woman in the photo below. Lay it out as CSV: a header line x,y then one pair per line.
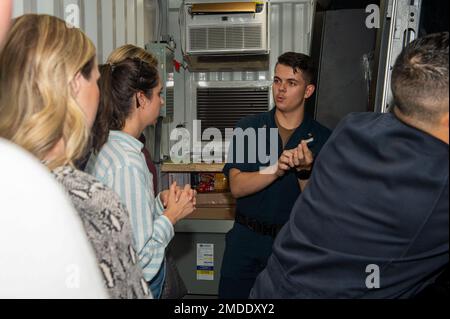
x,y
48,102
24,222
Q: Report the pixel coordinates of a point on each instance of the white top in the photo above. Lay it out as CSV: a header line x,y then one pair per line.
x,y
44,251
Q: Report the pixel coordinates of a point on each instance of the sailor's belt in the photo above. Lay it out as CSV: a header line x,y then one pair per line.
x,y
258,227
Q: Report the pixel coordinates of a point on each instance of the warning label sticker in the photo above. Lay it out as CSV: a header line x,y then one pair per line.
x,y
205,261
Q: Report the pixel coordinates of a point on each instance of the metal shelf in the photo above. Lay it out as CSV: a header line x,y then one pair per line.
x,y
193,167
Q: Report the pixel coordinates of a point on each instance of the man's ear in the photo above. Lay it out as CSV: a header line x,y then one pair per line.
x,y
310,88
75,84
445,120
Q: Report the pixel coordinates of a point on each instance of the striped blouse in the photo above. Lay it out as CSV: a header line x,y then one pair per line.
x,y
121,165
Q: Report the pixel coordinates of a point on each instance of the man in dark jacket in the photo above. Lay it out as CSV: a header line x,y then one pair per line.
x,y
373,221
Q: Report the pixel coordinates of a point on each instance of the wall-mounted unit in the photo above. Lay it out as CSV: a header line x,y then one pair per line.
x,y
221,105
227,27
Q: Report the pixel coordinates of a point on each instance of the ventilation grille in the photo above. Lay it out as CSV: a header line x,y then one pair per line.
x,y
169,102
223,107
234,37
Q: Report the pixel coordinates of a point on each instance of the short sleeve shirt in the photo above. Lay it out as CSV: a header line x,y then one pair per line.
x,y
273,204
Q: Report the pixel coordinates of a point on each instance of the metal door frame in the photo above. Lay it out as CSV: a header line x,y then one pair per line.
x,y
399,26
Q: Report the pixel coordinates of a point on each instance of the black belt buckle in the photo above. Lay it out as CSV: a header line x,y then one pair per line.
x,y
269,230
255,226
258,227
251,226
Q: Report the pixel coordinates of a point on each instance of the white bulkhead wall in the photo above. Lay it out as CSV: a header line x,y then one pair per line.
x,y
290,30
108,23
112,23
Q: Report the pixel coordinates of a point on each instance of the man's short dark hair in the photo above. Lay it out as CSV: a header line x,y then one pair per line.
x,y
299,62
420,78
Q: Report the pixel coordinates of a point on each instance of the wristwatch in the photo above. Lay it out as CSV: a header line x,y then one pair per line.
x,y
303,174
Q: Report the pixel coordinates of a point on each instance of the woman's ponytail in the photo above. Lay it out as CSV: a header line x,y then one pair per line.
x,y
100,130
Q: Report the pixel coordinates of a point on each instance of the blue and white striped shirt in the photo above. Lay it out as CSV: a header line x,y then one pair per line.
x,y
121,165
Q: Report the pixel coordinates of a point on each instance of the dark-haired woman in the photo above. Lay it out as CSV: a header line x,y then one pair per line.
x,y
130,100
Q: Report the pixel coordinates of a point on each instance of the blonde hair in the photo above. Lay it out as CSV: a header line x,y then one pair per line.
x,y
40,58
129,51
